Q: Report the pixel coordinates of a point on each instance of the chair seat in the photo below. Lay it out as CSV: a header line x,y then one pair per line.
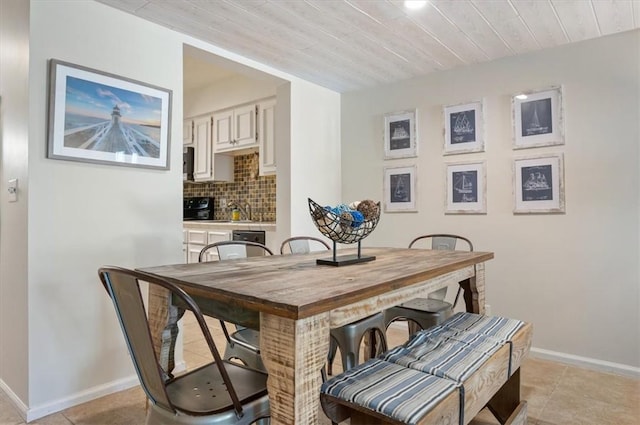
x,y
349,336
192,391
248,356
427,304
425,312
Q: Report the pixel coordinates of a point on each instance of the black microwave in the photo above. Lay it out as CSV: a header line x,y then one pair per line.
x,y
187,164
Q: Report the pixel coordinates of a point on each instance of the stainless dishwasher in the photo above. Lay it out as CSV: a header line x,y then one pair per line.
x,y
251,236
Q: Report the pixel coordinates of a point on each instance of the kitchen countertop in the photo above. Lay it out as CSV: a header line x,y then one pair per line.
x,y
231,225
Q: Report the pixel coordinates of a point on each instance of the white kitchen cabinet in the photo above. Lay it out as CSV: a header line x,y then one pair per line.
x,y
187,132
208,166
235,128
185,246
198,239
267,136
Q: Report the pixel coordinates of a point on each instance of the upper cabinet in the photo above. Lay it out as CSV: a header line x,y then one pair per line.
x,y
187,132
235,128
267,136
217,136
208,166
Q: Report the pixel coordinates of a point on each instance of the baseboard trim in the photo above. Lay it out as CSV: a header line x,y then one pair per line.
x,y
98,391
22,408
586,362
37,412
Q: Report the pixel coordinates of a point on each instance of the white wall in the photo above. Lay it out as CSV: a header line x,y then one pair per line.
x,y
82,216
60,343
314,154
574,276
225,93
14,131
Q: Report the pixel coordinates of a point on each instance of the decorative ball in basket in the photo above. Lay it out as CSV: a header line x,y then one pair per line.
x,y
346,224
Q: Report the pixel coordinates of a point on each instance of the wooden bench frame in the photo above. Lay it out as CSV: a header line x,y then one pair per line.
x,y
490,386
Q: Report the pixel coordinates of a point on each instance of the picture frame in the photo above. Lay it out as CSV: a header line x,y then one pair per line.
x,y
466,190
400,135
538,118
463,128
400,189
538,183
103,118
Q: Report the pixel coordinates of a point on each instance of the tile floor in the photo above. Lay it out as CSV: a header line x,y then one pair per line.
x,y
557,394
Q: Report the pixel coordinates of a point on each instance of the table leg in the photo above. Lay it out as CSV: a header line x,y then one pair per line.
x,y
474,291
163,323
294,352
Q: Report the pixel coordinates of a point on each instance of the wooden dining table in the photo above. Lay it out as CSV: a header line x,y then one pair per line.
x,y
294,302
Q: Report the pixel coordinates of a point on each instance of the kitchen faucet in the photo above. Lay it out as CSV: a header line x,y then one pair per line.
x,y
246,211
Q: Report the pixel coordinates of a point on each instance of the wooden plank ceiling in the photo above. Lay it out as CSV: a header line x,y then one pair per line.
x,y
348,45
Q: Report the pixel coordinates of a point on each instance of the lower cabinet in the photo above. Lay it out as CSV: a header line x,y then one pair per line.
x,y
198,239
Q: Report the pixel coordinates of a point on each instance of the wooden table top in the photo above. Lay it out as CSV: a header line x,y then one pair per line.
x,y
293,286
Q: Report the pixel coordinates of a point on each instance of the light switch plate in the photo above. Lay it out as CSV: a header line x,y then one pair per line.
x,y
12,188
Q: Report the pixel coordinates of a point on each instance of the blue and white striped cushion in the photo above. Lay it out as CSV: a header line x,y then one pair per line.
x,y
395,391
500,328
453,355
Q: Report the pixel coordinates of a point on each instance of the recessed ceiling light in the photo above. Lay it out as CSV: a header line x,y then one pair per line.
x,y
415,4
521,96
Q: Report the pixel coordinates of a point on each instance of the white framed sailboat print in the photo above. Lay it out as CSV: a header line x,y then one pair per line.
x,y
463,128
466,188
400,135
538,184
538,118
400,189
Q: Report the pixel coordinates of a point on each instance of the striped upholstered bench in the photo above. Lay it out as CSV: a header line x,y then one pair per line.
x,y
443,375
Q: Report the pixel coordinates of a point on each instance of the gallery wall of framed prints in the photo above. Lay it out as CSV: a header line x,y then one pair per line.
x,y
537,121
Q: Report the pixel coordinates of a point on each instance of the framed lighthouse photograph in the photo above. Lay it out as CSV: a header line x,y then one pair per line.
x,y
104,118
463,128
538,118
466,188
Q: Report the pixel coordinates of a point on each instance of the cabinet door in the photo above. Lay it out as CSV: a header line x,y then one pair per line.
x,y
202,154
193,253
218,236
267,136
223,136
187,132
244,126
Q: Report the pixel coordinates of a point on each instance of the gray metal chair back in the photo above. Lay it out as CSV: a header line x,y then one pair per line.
x,y
242,344
230,250
445,242
177,400
302,244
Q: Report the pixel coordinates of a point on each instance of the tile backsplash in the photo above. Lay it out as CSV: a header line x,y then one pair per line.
x,y
248,188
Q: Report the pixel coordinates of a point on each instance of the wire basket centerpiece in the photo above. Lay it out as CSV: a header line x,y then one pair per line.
x,y
346,224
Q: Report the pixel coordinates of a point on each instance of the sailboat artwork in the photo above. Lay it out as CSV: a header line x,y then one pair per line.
x,y
537,183
463,129
400,187
399,134
536,117
465,186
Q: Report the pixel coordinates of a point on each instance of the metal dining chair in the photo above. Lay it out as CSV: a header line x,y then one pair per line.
x,y
244,343
347,337
218,393
430,311
302,245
